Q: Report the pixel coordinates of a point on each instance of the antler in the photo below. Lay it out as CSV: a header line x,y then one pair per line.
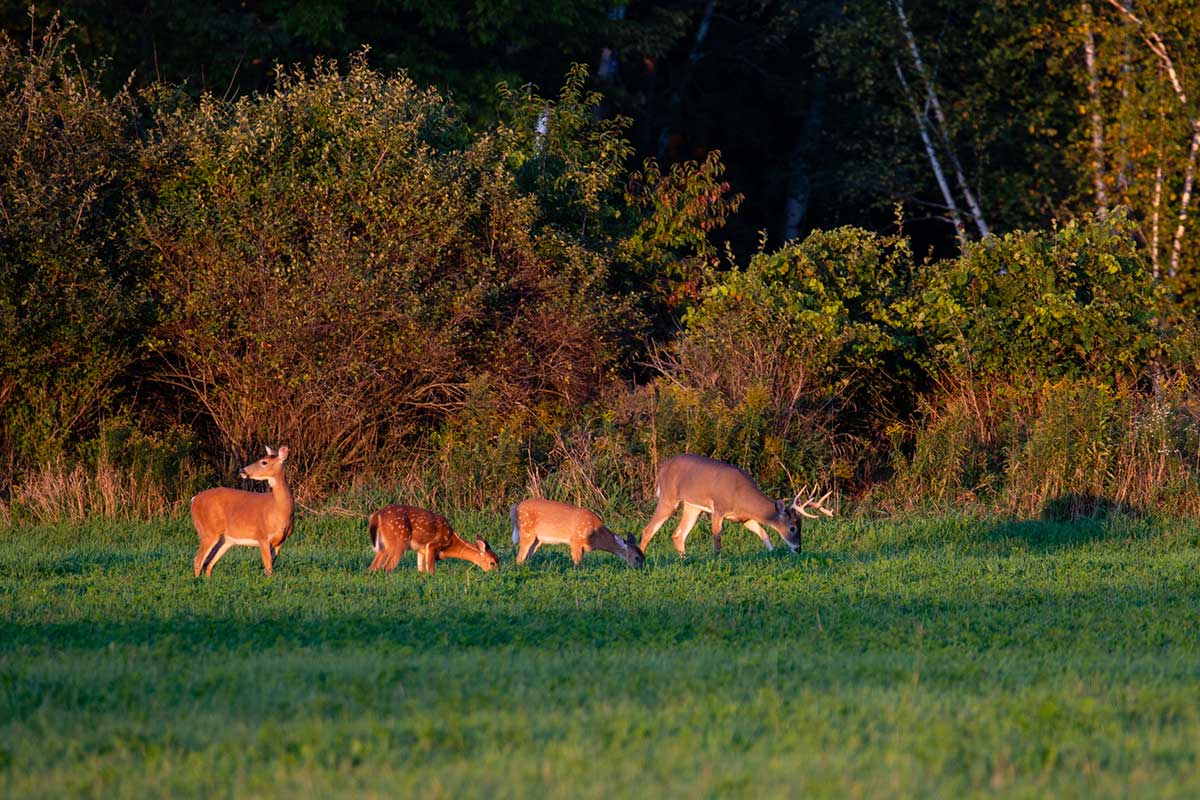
x,y
812,502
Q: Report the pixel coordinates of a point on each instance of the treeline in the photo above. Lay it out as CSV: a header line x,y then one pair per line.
x,y
999,115
458,315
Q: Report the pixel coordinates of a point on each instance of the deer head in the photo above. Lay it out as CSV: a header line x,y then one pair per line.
x,y
633,554
488,560
265,469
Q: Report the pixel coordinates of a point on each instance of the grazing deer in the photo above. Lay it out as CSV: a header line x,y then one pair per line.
x,y
225,517
397,529
536,522
727,493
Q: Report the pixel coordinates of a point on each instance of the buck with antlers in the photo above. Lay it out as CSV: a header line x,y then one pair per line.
x,y
225,517
536,522
702,484
397,529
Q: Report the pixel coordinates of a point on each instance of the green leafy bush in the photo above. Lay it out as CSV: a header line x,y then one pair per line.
x,y
336,261
1078,300
69,305
807,350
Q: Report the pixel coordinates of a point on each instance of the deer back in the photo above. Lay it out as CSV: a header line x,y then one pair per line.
x,y
409,527
554,523
714,486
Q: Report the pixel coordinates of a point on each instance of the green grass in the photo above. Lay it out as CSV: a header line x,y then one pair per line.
x,y
922,657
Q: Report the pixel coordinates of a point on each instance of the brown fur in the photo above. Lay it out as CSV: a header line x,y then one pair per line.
x,y
397,529
225,517
536,522
703,484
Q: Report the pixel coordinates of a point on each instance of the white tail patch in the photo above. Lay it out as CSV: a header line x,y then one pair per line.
x,y
516,533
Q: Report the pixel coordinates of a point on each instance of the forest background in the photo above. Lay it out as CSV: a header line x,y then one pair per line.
x,y
933,254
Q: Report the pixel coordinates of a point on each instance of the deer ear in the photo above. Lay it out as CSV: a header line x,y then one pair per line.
x,y
482,545
629,540
780,505
270,452
283,453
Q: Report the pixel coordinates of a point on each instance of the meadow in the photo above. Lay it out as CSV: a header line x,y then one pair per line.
x,y
932,657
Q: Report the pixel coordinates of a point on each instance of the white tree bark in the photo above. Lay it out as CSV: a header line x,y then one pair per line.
x,y
800,163
942,128
1096,113
934,162
1156,46
1185,199
1155,207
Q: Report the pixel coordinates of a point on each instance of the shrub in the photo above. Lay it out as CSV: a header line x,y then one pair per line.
x,y
338,260
1078,300
69,307
807,351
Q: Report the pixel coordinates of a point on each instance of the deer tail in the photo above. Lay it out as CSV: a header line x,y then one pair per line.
x,y
373,529
512,515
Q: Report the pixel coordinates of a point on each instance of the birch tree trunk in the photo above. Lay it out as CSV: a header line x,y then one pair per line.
x,y
1095,113
942,128
800,166
1156,46
934,162
1155,208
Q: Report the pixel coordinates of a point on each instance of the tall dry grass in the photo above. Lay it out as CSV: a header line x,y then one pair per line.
x,y
1067,448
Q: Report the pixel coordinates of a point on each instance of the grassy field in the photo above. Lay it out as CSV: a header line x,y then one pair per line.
x,y
942,657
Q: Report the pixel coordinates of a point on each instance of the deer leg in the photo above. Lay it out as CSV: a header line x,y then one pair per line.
x,y
199,563
526,548
268,557
274,555
687,521
758,529
430,559
377,562
576,552
397,551
219,549
717,521
392,559
662,513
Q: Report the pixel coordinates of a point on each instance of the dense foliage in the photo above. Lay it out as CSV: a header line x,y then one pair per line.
x,y
463,313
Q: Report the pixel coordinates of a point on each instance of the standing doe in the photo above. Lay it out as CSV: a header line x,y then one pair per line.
x,y
397,529
536,522
225,517
728,493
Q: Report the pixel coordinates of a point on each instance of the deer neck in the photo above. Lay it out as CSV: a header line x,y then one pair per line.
x,y
778,521
281,494
606,540
458,548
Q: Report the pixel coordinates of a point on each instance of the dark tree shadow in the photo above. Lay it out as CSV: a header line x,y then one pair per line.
x,y
1084,505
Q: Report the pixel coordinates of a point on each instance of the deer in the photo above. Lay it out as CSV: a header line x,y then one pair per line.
x,y
396,529
224,517
705,485
536,522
